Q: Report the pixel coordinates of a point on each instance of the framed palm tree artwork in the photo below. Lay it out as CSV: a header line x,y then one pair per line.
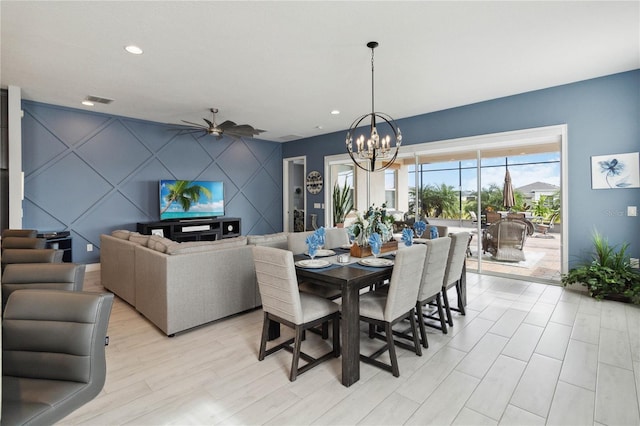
x,y
615,171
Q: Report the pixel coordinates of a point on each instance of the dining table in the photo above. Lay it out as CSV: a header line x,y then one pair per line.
x,y
349,277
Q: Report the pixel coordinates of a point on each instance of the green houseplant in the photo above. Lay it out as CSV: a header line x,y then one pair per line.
x,y
342,203
608,274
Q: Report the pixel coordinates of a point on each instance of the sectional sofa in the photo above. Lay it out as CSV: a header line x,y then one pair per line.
x,y
178,286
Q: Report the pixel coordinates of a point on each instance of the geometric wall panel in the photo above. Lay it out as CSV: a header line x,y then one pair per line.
x,y
91,173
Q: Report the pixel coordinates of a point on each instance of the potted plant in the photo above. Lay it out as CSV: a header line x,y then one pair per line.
x,y
608,274
342,203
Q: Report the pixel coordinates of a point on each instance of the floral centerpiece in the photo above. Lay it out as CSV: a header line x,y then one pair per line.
x,y
374,221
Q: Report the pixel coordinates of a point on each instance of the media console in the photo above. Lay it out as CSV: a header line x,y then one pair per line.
x,y
193,229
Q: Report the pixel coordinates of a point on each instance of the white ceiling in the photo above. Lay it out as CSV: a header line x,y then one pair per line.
x,y
283,66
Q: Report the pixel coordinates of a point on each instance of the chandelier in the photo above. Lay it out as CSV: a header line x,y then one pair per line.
x,y
373,152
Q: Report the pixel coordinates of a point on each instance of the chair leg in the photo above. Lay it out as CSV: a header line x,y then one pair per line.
x,y
372,331
459,293
423,329
325,330
414,331
392,350
443,323
336,336
445,298
296,353
265,335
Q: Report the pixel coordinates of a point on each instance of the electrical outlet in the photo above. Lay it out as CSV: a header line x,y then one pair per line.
x,y
89,247
632,211
635,262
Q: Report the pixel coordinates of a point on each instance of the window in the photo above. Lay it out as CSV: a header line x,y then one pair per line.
x,y
390,179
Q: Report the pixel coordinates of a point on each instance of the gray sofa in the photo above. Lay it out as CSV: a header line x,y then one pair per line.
x,y
178,286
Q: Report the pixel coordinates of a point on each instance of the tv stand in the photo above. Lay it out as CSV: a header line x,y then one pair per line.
x,y
209,229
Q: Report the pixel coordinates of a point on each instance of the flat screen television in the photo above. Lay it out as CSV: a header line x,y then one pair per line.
x,y
195,199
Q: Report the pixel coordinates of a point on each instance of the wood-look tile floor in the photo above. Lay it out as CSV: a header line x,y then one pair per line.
x,y
525,353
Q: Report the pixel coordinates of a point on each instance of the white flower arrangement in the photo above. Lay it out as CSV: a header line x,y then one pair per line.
x,y
375,219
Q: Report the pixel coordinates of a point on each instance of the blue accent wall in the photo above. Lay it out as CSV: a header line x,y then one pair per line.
x,y
602,116
91,173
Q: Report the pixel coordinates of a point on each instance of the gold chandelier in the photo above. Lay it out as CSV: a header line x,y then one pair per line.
x,y
373,152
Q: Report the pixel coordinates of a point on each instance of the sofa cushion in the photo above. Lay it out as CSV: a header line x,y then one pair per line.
x,y
202,246
159,243
123,234
278,240
136,237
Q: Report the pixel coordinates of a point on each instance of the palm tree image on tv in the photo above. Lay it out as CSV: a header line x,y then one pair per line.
x,y
185,194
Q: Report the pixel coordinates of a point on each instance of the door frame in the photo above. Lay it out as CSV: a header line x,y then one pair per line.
x,y
287,193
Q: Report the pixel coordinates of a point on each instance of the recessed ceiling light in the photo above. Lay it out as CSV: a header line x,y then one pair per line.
x,y
335,112
319,127
134,50
88,103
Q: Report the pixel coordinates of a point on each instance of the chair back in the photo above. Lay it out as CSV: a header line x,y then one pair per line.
x,y
335,237
435,265
23,243
31,256
457,256
24,233
297,241
443,231
51,276
56,335
405,281
493,217
277,282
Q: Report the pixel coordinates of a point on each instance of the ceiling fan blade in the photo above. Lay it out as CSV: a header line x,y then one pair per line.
x,y
246,130
210,123
226,125
202,126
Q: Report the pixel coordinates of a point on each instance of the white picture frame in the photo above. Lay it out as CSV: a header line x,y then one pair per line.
x,y
158,232
615,171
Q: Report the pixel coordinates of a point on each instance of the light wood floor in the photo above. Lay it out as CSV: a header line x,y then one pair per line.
x,y
526,353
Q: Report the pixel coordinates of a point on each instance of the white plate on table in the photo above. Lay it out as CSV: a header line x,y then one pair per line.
x,y
322,253
313,263
346,246
376,262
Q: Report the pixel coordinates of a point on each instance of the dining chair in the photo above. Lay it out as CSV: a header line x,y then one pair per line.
x,y
297,243
384,310
283,303
435,265
335,237
453,273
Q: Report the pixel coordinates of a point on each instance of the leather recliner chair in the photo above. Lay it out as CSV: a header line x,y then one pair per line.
x,y
54,276
53,353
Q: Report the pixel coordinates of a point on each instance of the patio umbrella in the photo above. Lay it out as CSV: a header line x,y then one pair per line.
x,y
508,199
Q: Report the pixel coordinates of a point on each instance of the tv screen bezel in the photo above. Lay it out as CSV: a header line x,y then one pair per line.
x,y
183,215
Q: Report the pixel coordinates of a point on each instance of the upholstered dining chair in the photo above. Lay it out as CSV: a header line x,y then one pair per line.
x,y
453,273
335,237
381,309
297,243
435,265
282,302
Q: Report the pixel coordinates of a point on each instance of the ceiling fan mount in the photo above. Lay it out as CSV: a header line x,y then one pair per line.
x,y
226,128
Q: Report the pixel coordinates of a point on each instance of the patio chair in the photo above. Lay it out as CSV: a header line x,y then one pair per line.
x,y
505,240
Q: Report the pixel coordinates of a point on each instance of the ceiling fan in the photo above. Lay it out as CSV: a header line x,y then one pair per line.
x,y
228,128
